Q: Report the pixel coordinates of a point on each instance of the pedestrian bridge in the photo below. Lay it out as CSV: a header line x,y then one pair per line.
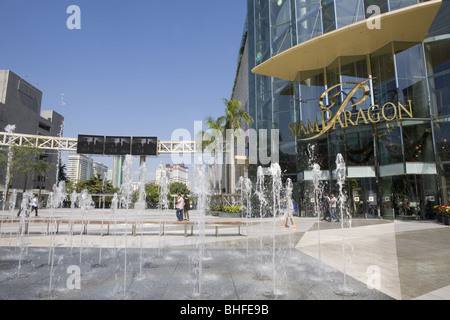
x,y
70,144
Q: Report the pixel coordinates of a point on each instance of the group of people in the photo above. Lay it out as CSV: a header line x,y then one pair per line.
x,y
34,204
329,208
183,206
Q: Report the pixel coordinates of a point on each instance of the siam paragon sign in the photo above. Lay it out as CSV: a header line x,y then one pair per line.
x,y
375,114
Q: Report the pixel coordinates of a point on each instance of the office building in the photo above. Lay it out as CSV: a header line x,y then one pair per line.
x,y
366,79
178,173
80,167
20,105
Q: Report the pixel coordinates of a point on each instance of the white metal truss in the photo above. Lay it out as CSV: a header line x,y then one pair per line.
x,y
41,142
70,144
177,147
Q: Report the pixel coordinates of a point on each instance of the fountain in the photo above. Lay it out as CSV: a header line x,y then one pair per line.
x,y
58,196
163,205
12,201
115,203
345,216
140,206
9,129
245,185
286,277
275,172
86,204
260,193
126,190
25,208
317,199
202,191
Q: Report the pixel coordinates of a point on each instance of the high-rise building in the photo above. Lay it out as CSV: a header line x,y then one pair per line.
x,y
100,169
80,167
366,79
117,171
178,173
20,105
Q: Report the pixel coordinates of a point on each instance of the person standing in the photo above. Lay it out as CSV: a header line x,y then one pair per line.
x,y
35,205
325,207
187,207
180,206
333,202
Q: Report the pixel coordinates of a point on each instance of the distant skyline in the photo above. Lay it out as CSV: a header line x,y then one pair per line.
x,y
135,68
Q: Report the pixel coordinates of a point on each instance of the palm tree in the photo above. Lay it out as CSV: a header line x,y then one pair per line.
x,y
218,126
235,116
205,140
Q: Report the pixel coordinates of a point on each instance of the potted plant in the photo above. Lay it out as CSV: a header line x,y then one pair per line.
x,y
439,216
215,210
447,215
443,214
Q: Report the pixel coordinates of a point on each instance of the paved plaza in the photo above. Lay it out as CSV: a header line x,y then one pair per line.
x,y
374,259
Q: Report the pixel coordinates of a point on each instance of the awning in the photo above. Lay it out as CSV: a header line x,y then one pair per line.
x,y
409,24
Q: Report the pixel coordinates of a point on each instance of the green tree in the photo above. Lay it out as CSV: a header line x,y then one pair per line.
x,y
178,188
42,166
235,117
23,162
96,185
152,192
62,175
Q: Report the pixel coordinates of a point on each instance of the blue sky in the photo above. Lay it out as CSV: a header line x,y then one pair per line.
x,y
135,68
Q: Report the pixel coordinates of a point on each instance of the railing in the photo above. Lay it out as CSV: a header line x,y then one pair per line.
x,y
70,144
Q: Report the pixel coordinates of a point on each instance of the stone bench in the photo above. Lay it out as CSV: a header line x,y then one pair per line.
x,y
133,224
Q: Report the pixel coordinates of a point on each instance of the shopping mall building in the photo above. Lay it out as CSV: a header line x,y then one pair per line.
x,y
367,79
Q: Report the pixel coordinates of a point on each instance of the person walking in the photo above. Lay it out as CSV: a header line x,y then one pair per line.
x,y
333,202
325,207
35,205
187,207
290,209
180,206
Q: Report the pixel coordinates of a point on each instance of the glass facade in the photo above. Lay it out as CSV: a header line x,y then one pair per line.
x,y
398,168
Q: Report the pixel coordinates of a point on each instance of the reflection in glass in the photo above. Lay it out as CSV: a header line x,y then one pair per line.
x,y
390,145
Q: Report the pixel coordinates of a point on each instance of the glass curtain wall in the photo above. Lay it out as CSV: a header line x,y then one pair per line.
x,y
392,165
270,32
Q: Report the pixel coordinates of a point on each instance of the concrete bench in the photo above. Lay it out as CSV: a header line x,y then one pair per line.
x,y
133,224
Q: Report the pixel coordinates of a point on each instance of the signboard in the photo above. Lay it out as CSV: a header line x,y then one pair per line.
x,y
144,146
90,144
346,118
117,145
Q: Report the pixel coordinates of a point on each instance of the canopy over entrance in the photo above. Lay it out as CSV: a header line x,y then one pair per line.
x,y
409,24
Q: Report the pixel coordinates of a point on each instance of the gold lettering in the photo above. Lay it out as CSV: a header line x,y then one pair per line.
x,y
301,128
375,109
348,98
384,113
344,117
340,123
324,118
402,107
348,118
361,115
293,128
312,128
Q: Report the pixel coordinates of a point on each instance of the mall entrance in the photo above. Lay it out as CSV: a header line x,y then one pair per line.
x,y
409,196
